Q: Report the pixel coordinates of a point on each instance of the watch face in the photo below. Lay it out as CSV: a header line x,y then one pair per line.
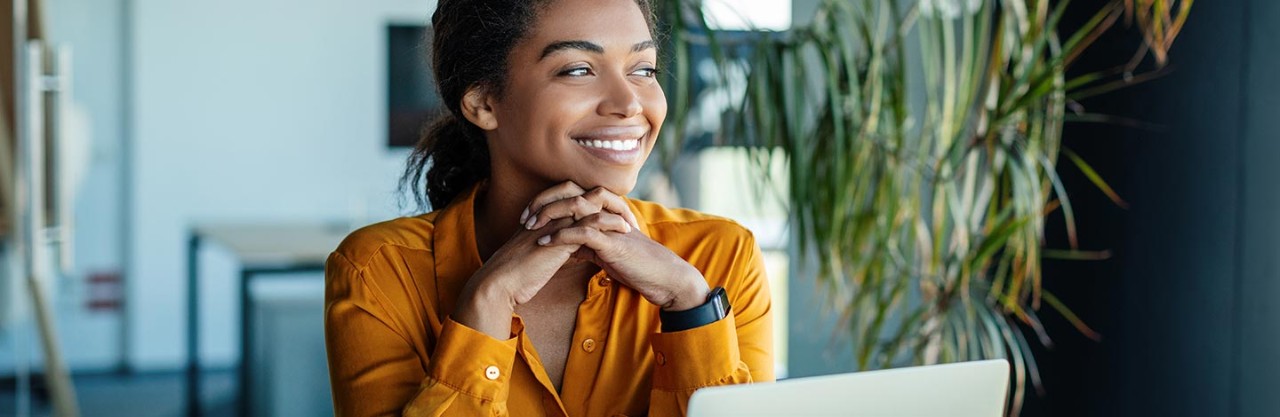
x,y
721,298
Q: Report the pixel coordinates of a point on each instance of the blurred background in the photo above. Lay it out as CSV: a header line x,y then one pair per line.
x,y
209,155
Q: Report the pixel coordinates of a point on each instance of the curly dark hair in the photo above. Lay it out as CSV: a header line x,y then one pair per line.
x,y
471,43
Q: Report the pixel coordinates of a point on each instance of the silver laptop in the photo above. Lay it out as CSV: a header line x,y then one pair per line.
x,y
968,389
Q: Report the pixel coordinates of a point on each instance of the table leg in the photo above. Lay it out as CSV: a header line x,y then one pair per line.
x,y
193,324
246,343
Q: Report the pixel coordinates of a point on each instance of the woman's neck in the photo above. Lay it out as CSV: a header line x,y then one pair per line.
x,y
497,214
497,209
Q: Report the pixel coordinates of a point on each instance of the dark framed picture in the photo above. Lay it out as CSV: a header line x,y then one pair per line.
x,y
412,100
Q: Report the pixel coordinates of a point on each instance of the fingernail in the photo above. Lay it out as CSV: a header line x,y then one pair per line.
x,y
628,228
529,224
544,240
524,215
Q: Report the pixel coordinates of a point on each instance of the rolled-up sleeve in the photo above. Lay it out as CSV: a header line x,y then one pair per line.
x,y
375,371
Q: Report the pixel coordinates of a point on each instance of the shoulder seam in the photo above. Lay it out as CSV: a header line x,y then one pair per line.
x,y
360,276
364,264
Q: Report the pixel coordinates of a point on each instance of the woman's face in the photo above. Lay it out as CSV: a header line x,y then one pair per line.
x,y
582,100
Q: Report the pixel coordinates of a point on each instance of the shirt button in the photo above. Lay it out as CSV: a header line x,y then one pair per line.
x,y
604,282
662,360
492,373
589,345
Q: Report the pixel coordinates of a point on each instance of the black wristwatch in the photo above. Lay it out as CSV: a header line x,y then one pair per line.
x,y
716,308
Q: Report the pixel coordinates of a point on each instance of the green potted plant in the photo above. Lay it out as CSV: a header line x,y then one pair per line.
x,y
923,139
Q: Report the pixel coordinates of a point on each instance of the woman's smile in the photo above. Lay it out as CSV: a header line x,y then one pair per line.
x,y
620,145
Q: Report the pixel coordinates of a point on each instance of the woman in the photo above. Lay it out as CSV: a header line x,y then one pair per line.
x,y
538,288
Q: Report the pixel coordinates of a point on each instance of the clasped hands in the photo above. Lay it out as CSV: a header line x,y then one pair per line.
x,y
566,222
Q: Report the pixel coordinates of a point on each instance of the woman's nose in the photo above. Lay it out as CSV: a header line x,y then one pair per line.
x,y
621,100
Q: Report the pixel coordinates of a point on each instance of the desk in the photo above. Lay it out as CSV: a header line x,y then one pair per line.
x,y
262,249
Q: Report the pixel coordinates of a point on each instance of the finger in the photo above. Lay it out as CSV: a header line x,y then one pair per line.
x,y
549,227
602,222
531,236
606,222
537,238
585,236
558,192
613,203
576,208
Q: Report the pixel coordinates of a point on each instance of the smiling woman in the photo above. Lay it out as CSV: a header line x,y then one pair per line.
x,y
536,287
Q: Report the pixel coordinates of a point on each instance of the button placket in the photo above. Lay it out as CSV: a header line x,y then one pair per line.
x,y
591,332
599,285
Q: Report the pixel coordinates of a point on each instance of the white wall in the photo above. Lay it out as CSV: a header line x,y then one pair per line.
x,y
254,111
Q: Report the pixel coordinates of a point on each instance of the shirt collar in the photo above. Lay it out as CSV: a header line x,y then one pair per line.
x,y
454,246
640,219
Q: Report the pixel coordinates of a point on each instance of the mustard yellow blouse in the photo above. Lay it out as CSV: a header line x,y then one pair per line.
x,y
393,348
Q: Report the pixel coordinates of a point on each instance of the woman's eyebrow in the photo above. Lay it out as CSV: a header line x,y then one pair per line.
x,y
589,47
643,45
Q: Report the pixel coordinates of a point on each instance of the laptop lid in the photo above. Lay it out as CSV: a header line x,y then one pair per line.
x,y
967,389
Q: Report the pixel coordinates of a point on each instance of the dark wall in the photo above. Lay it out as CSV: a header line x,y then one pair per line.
x,y
1258,339
1185,304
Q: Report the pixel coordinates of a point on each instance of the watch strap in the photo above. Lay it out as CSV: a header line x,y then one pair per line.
x,y
715,308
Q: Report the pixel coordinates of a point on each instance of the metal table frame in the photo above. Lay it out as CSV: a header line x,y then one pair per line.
x,y
249,270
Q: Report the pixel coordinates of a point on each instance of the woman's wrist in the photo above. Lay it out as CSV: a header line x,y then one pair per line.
x,y
692,294
487,308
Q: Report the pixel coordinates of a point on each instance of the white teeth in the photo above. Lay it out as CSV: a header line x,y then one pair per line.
x,y
617,145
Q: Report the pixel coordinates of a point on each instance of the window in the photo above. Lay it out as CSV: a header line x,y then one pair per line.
x,y
748,14
728,185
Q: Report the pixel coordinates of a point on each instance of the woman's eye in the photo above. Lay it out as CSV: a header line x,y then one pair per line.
x,y
647,72
576,72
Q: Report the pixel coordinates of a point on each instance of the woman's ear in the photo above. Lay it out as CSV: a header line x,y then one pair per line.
x,y
477,107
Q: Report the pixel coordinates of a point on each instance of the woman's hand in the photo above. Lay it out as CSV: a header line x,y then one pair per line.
x,y
512,276
604,231
568,200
